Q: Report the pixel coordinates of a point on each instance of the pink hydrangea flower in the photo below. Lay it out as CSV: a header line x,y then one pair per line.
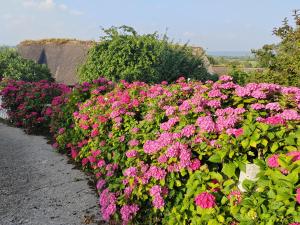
x,y
84,161
290,114
206,124
101,163
162,159
169,110
195,164
122,138
155,190
135,130
236,195
188,130
273,161
158,202
156,172
127,212
257,106
205,200
130,172
235,132
298,195
272,120
169,124
61,130
225,78
131,153
133,143
107,202
100,184
151,147
295,155
94,133
274,106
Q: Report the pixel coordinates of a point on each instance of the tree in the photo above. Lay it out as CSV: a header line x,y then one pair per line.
x,y
123,54
282,61
13,66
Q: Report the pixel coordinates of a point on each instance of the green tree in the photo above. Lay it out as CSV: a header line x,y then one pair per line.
x,y
282,61
13,66
123,54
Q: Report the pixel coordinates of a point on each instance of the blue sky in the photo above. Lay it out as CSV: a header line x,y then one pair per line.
x,y
216,25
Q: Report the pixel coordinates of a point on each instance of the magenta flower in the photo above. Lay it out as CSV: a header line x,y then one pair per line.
x,y
274,106
298,195
272,120
273,161
295,155
188,130
225,78
236,195
290,114
206,124
94,133
257,106
195,164
205,200
235,132
100,184
131,153
133,143
84,161
128,211
130,172
158,202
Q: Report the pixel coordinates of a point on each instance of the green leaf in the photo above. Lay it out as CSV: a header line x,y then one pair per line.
x,y
253,143
291,148
221,218
264,142
215,158
274,147
229,169
245,143
290,140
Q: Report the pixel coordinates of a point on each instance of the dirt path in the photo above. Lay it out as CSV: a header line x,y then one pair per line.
x,y
38,186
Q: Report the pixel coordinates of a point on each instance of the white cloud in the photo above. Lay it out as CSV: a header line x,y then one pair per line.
x,y
47,5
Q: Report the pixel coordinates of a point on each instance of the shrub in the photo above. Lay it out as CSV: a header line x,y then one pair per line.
x,y
239,76
13,66
63,107
172,154
27,102
122,54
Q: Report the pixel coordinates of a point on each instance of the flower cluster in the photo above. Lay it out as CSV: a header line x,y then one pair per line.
x,y
163,153
28,102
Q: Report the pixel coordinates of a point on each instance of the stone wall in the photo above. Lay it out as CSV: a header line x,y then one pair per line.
x,y
63,56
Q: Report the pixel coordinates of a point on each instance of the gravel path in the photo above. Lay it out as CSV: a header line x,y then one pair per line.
x,y
38,186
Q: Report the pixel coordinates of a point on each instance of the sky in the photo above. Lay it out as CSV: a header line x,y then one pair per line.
x,y
215,25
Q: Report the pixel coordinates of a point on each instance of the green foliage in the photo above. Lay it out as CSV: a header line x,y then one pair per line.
x,y
122,54
239,61
108,125
15,67
282,60
239,76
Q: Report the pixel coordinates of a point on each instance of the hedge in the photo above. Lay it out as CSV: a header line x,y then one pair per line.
x,y
173,154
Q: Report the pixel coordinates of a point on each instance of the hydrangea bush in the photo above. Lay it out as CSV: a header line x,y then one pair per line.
x,y
63,107
28,102
172,154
